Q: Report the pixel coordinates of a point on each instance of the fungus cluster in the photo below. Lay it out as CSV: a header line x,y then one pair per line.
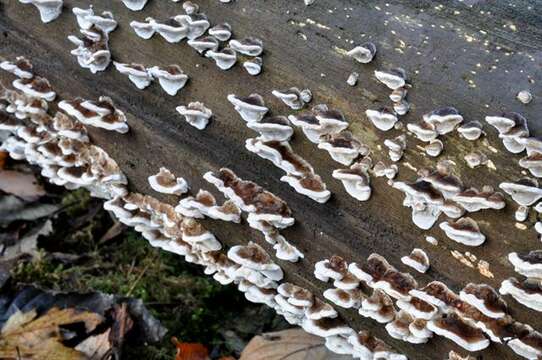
x,y
267,213
102,113
92,50
171,78
294,98
196,114
204,205
213,42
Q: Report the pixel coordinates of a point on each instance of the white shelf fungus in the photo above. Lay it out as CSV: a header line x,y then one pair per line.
x,y
355,180
393,79
293,97
196,114
137,74
363,53
384,119
464,231
49,9
418,260
166,182
251,108
171,78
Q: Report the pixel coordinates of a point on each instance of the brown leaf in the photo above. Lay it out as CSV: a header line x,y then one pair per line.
x,y
29,337
20,184
190,351
3,158
96,347
293,344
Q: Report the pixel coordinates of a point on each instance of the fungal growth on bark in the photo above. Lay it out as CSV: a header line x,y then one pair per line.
x,y
196,114
293,97
251,108
356,181
273,128
137,74
102,113
171,78
319,122
418,260
49,9
166,183
464,231
364,53
135,5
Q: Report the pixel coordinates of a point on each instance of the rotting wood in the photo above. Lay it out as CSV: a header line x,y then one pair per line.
x,y
439,44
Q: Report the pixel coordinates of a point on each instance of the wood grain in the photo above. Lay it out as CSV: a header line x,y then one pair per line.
x,y
474,55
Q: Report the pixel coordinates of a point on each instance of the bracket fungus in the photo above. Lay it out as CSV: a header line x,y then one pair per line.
x,y
418,260
424,200
366,346
204,204
527,292
196,24
203,44
379,306
529,264
166,182
364,53
49,9
444,120
254,257
484,298
249,46
473,200
251,108
453,327
101,113
21,67
134,5
434,148
418,308
396,147
196,114
224,59
471,130
512,128
92,51
423,131
293,97
86,19
322,121
355,180
221,31
281,154
333,268
137,74
465,231
384,119
36,87
273,128
346,299
393,79
253,66
524,191
144,30
310,185
475,159
380,169
343,147
171,78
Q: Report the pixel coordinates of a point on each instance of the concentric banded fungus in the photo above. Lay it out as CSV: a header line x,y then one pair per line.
x,y
384,119
398,94
417,259
49,9
434,148
326,327
196,114
273,128
347,299
527,292
363,53
101,113
171,78
197,24
320,310
459,331
251,108
393,79
444,119
528,343
198,237
204,204
203,44
533,163
512,128
475,159
401,107
134,5
221,31
36,87
280,154
380,169
293,97
464,231
22,68
254,257
396,147
473,200
249,46
418,308
379,306
484,298
405,328
310,185
253,66
144,30
333,268
424,200
471,130
92,51
437,294
72,129
224,59
322,121
137,74
166,183
524,192
86,19
529,265
343,147
366,346
355,180
348,282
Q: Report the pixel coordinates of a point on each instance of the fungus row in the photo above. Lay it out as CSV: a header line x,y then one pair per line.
x,y
49,9
171,78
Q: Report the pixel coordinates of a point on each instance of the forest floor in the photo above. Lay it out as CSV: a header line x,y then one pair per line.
x,y
88,251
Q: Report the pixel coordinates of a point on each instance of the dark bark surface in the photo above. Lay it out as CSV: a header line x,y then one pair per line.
x,y
474,55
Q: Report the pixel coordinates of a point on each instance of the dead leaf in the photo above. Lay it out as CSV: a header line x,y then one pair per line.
x,y
23,185
293,344
97,346
28,244
12,208
3,158
25,335
114,231
190,351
